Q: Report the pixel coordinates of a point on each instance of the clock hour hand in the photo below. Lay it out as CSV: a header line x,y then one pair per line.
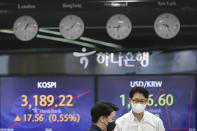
x,y
117,27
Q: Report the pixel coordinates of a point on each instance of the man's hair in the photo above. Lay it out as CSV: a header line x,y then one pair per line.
x,y
102,108
141,90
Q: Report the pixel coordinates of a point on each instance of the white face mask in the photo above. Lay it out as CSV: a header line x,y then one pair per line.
x,y
138,108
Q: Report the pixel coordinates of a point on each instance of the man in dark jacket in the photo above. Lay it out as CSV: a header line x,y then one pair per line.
x,y
103,116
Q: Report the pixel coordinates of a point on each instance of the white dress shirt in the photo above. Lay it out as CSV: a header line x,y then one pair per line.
x,y
149,122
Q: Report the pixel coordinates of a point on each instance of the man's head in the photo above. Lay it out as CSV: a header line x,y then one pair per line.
x,y
104,113
138,99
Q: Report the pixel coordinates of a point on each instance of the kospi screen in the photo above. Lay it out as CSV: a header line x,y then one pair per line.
x,y
172,98
46,103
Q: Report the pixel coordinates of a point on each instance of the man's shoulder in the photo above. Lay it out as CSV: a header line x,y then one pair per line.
x,y
94,128
147,113
123,118
152,116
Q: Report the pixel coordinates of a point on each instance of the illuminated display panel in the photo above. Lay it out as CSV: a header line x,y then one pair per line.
x,y
172,98
46,103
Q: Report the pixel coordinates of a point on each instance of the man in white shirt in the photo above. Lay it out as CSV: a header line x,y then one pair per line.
x,y
138,119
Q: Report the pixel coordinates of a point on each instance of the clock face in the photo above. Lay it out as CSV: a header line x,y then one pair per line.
x,y
71,27
119,27
25,28
167,26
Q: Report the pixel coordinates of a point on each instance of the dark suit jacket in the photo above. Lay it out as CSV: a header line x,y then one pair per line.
x,y
94,128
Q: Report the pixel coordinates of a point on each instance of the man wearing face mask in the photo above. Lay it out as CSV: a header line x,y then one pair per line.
x,y
103,116
138,119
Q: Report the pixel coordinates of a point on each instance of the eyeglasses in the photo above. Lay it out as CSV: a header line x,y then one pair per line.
x,y
141,101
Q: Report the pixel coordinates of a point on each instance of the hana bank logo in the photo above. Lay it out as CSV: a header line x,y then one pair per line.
x,y
83,56
121,59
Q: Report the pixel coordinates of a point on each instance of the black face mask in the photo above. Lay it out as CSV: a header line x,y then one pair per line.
x,y
111,126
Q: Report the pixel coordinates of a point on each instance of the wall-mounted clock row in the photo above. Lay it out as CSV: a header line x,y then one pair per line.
x,y
118,27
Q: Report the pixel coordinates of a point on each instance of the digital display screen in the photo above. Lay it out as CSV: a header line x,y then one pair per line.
x,y
172,98
46,103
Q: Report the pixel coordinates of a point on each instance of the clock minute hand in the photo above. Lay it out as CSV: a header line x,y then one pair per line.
x,y
71,26
167,26
117,27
